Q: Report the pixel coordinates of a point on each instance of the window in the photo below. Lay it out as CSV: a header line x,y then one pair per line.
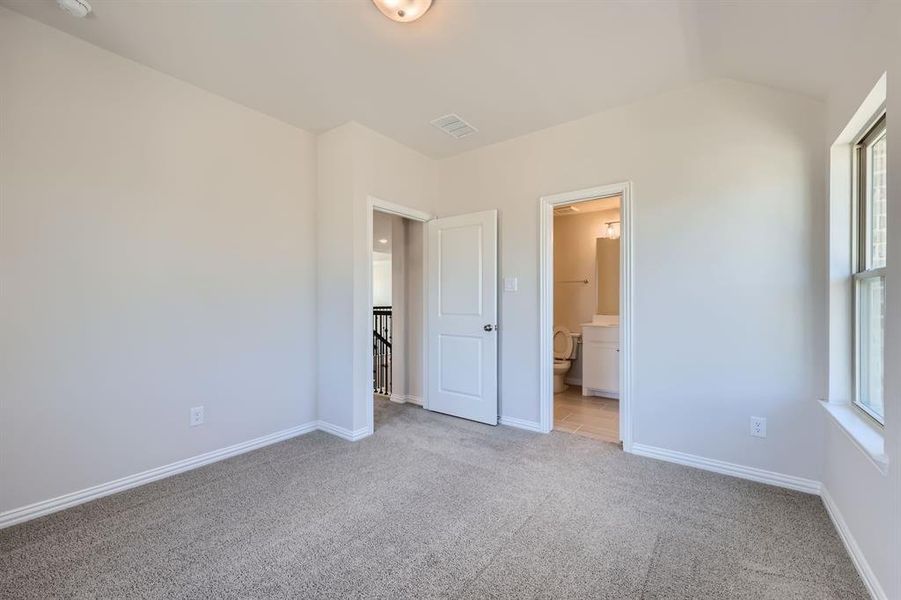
x,y
869,272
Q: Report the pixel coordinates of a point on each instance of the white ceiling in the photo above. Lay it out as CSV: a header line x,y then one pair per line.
x,y
506,67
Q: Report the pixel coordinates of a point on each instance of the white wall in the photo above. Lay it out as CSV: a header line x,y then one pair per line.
x,y
156,253
415,252
729,221
868,500
334,278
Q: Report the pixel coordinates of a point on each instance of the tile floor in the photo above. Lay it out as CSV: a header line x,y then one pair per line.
x,y
588,416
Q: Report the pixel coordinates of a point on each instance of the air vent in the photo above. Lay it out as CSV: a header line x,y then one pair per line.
x,y
566,210
454,126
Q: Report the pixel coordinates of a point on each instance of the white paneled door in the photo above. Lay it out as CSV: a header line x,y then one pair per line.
x,y
462,322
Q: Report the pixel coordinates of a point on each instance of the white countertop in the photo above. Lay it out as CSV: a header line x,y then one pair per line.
x,y
603,321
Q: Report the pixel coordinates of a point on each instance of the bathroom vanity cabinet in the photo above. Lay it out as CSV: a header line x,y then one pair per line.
x,y
600,360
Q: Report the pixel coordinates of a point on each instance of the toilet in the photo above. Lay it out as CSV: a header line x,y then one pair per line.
x,y
565,349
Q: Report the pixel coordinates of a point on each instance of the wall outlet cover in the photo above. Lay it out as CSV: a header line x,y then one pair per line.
x,y
511,284
196,416
758,427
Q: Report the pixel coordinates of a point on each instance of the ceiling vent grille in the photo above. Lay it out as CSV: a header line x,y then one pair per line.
x,y
566,210
454,126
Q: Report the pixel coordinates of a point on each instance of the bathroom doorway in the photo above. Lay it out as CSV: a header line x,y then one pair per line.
x,y
586,318
585,313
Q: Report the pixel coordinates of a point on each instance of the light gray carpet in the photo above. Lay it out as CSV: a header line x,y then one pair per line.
x,y
435,507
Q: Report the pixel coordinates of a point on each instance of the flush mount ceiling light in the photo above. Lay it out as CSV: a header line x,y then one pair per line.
x,y
76,8
383,241
403,11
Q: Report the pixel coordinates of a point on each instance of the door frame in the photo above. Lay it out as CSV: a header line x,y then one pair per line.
x,y
373,204
626,295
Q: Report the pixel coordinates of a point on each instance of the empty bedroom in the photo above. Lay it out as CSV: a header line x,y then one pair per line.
x,y
450,299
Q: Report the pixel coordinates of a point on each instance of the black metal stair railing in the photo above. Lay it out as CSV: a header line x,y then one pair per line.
x,y
381,350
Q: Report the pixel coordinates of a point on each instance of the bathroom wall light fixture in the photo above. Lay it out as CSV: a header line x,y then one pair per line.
x,y
403,11
612,232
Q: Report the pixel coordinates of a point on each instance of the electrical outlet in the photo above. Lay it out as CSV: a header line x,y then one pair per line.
x,y
196,416
758,427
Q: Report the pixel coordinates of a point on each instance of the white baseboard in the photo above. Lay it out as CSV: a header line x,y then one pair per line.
x,y
857,557
600,393
521,423
351,435
726,468
404,399
45,507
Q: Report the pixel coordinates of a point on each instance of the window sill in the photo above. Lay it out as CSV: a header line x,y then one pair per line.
x,y
866,436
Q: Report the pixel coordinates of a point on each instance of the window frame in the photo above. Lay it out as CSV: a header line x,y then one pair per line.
x,y
860,236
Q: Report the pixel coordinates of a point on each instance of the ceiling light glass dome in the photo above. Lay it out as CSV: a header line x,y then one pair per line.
x,y
403,11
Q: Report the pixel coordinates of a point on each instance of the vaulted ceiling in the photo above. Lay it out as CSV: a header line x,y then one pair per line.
x,y
506,67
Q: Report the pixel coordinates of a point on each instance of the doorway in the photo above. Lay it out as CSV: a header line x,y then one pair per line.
x,y
455,363
586,313
397,317
586,318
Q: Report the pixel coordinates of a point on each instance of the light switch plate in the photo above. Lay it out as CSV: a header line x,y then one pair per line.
x,y
511,284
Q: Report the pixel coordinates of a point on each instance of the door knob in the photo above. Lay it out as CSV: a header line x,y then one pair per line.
x,y
488,327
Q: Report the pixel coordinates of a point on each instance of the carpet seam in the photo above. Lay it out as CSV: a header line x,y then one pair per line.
x,y
512,535
647,575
